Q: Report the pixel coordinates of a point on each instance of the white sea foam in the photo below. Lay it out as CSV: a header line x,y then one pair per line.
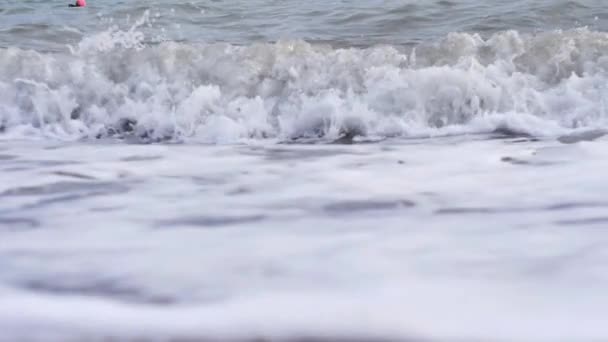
x,y
445,240
112,84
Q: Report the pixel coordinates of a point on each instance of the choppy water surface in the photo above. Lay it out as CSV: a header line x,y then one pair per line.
x,y
359,23
379,170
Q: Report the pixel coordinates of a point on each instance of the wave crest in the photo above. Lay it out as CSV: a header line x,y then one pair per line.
x,y
112,84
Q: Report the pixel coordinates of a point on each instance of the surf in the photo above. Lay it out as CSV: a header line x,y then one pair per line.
x,y
115,85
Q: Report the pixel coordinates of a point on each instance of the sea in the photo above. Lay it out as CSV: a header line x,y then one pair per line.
x,y
282,170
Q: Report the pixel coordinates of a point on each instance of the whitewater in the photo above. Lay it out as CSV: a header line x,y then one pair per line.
x,y
286,171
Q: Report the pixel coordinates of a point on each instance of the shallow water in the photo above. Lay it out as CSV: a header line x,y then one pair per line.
x,y
451,238
372,170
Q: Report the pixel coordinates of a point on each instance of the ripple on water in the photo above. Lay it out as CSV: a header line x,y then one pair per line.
x,y
72,174
60,188
358,206
107,288
18,223
566,206
48,163
63,192
7,157
210,221
590,221
478,210
68,198
282,154
574,138
575,205
138,158
527,162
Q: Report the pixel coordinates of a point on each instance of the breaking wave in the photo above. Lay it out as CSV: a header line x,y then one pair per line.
x,y
114,85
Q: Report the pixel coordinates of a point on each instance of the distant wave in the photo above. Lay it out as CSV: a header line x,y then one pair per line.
x,y
112,85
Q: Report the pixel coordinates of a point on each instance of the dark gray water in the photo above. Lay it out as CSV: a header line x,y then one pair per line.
x,y
48,24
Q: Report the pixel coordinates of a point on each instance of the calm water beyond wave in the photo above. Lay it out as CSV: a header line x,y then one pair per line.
x,y
304,170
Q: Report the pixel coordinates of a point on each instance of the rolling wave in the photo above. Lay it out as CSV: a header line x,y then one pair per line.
x,y
112,84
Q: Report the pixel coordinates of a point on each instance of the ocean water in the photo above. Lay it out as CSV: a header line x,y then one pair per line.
x,y
304,171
